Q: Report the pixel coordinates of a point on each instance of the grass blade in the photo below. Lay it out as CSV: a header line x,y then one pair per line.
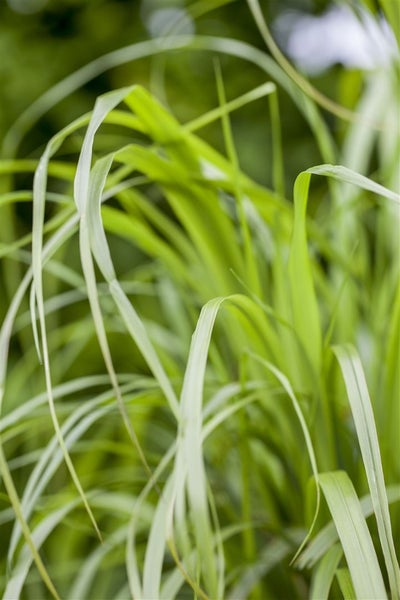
x,y
364,421
354,535
324,574
306,319
191,446
349,176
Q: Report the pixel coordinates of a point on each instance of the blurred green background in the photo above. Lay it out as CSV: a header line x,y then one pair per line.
x,y
43,42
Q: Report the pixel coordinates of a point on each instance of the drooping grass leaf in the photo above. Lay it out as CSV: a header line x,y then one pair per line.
x,y
349,176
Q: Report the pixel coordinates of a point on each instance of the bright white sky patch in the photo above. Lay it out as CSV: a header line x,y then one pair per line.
x,y
338,36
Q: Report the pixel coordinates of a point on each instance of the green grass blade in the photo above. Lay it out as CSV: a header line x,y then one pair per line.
x,y
349,176
191,447
364,421
246,242
88,190
15,502
285,383
324,574
345,584
306,319
327,537
354,535
39,535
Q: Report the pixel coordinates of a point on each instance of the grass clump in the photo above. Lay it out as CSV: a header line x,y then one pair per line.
x,y
208,404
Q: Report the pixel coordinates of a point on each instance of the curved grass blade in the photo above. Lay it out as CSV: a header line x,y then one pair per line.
x,y
39,198
88,189
39,536
285,383
308,89
364,421
5,336
140,50
15,502
190,447
347,175
327,537
354,535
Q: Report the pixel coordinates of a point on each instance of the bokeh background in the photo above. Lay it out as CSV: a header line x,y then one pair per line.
x,y
41,42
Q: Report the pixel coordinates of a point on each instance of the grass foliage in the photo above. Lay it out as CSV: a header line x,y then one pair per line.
x,y
199,375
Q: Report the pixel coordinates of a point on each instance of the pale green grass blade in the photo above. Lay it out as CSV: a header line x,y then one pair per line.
x,y
88,199
39,536
50,458
91,286
364,421
39,197
257,93
191,445
104,105
15,502
132,567
354,535
324,574
155,549
327,537
91,567
136,51
349,176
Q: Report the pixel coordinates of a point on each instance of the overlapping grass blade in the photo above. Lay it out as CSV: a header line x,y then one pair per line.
x,y
39,535
285,383
5,336
14,500
224,233
324,574
88,199
190,447
354,535
363,417
39,194
346,584
327,537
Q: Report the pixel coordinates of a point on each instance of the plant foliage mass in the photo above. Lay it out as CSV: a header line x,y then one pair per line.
x,y
199,374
